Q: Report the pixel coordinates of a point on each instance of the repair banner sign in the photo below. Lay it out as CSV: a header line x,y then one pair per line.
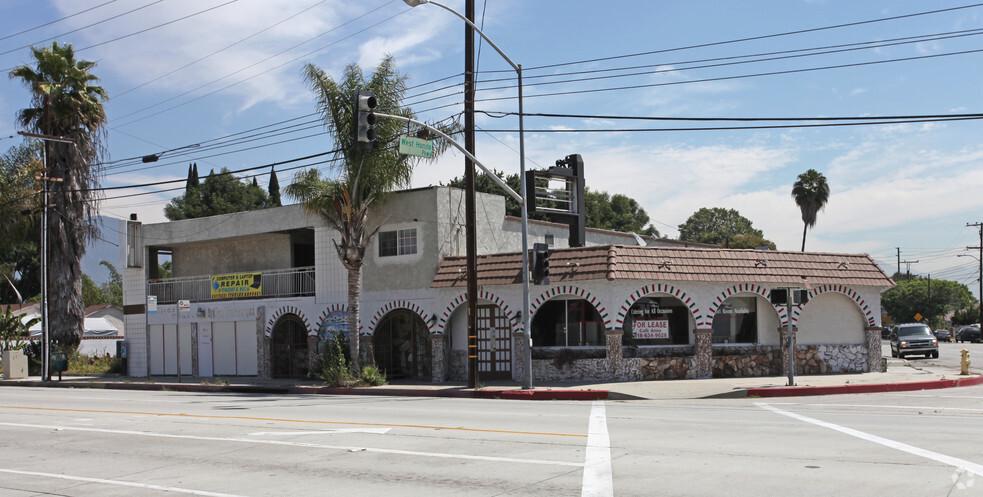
x,y
226,286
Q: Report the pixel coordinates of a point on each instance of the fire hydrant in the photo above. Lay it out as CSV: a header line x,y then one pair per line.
x,y
964,362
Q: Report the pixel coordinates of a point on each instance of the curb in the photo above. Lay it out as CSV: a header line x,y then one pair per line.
x,y
870,388
313,390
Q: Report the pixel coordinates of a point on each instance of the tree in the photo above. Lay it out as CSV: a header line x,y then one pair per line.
x,y
616,212
91,293
751,241
811,193
717,225
112,289
20,218
914,296
66,102
220,193
364,176
13,330
274,188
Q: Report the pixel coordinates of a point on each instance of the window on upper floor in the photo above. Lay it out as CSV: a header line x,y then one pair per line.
x,y
397,242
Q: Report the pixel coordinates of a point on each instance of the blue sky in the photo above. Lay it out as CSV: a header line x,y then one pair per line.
x,y
230,67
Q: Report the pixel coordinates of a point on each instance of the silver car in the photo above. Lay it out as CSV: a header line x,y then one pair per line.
x,y
914,338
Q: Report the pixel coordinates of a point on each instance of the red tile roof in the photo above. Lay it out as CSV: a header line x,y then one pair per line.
x,y
628,262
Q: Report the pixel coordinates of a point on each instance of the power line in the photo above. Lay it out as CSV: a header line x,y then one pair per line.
x,y
79,29
754,38
49,23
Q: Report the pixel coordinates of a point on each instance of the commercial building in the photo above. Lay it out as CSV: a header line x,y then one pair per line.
x,y
264,288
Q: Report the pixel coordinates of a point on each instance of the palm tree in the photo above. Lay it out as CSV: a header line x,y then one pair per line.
x,y
811,193
363,176
65,102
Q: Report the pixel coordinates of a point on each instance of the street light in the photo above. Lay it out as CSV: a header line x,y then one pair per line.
x,y
45,325
980,280
527,380
155,157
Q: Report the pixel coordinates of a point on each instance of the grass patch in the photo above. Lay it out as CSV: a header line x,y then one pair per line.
x,y
84,364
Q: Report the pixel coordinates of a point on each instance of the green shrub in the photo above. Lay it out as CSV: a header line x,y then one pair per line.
x,y
334,367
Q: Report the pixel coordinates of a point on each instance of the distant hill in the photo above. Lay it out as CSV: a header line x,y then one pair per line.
x,y
103,248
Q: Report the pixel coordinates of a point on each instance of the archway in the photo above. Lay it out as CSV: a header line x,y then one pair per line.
x,y
402,346
289,347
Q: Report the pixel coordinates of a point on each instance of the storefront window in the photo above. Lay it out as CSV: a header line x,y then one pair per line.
x,y
567,323
736,321
657,321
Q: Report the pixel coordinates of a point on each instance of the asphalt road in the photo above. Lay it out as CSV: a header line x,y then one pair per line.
x,y
132,443
949,355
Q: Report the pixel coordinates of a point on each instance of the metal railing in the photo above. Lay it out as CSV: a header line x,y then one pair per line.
x,y
279,283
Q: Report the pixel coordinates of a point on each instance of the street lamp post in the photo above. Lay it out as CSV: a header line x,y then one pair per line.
x,y
526,318
45,321
980,279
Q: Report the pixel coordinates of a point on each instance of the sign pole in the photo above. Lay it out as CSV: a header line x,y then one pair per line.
x,y
791,341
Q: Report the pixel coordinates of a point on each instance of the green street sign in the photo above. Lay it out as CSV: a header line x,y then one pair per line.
x,y
419,147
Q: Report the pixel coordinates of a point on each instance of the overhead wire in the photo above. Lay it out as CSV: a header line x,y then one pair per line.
x,y
49,23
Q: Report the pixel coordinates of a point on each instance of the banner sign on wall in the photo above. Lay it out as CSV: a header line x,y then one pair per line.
x,y
226,286
651,328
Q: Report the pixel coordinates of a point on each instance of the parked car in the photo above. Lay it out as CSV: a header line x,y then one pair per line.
x,y
942,335
887,330
968,334
914,338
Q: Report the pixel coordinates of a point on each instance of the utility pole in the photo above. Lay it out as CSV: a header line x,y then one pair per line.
x,y
979,227
470,206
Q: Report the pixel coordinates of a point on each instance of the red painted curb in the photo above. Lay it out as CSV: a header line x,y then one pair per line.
x,y
871,388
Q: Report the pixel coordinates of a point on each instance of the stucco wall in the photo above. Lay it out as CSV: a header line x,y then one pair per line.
x,y
831,318
256,252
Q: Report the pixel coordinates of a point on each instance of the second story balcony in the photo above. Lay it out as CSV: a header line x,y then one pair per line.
x,y
280,283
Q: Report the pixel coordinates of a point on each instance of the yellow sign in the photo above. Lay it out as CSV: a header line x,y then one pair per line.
x,y
226,286
918,316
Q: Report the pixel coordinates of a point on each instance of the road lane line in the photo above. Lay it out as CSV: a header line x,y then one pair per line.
x,y
441,455
598,478
281,420
118,482
880,406
935,456
377,431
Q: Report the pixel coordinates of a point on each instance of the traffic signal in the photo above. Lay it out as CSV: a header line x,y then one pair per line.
x,y
540,264
364,119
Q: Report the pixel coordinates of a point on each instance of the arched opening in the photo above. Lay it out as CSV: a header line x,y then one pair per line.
x,y
567,323
289,347
736,321
402,346
655,320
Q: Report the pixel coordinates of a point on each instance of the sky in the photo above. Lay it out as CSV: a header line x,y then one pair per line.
x,y
220,83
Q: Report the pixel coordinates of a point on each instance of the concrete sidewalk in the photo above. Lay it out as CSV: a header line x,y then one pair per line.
x,y
901,375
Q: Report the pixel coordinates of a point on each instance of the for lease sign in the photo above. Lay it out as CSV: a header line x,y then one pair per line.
x,y
651,328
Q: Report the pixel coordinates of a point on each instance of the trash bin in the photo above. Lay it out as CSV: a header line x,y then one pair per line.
x,y
58,363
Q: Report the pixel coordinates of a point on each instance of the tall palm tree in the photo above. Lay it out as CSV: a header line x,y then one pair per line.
x,y
811,193
66,102
363,177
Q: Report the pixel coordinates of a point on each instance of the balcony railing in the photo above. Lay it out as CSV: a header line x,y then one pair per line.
x,y
295,282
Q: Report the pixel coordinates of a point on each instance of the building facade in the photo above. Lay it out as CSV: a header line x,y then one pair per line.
x,y
261,290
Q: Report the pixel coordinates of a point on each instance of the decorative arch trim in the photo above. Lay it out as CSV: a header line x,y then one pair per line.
x,y
329,310
288,309
570,290
391,306
462,298
841,289
701,320
730,292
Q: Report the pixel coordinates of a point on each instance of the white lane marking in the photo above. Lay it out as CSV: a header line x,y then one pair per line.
x,y
598,478
118,482
301,444
935,456
914,408
379,431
